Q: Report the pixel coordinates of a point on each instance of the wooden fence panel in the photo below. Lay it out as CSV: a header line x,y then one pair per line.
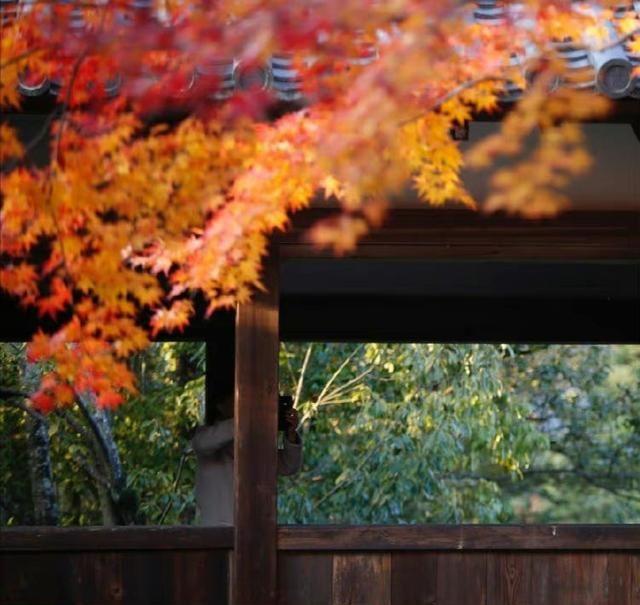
x,y
464,566
458,578
114,578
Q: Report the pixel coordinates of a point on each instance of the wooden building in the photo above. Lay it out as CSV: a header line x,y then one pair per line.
x,y
427,275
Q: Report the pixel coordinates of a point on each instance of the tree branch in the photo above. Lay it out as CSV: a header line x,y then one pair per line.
x,y
14,399
176,483
303,371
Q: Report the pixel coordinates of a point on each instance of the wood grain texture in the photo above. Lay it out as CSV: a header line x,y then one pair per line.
x,y
509,578
462,579
578,578
635,579
460,537
413,578
540,577
362,579
255,451
620,578
305,578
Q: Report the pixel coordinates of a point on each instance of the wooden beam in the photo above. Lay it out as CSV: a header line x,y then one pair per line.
x,y
593,235
45,539
459,537
256,400
461,319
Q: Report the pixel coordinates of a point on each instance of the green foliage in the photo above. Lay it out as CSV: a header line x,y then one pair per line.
x,y
15,488
464,433
419,433
151,434
154,429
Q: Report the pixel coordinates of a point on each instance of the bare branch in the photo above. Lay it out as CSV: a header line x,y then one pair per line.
x,y
303,370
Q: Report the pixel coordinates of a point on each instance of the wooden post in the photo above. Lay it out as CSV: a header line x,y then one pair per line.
x,y
256,401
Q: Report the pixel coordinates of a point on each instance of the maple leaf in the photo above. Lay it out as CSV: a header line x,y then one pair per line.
x,y
176,317
60,296
10,146
171,171
43,401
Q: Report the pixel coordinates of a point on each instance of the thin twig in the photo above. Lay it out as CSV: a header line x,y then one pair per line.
x,y
338,371
303,371
339,390
452,94
176,483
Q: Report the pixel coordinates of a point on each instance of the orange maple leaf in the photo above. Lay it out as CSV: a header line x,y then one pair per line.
x,y
57,301
175,317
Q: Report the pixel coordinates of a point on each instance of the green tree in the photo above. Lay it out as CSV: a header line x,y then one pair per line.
x,y
473,433
132,465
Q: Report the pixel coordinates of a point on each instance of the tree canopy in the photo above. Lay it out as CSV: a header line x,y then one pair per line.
x,y
451,433
393,433
171,162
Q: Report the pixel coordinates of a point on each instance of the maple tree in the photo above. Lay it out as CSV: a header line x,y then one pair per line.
x,y
165,180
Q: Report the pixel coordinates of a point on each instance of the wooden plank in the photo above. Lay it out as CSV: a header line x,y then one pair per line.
x,y
361,579
635,579
509,577
304,578
620,578
578,578
114,538
413,578
540,578
460,537
255,452
462,579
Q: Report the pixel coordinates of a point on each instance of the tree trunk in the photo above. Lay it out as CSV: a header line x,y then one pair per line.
x,y
119,503
43,489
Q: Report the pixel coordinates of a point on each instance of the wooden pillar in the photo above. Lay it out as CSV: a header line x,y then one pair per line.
x,y
256,402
